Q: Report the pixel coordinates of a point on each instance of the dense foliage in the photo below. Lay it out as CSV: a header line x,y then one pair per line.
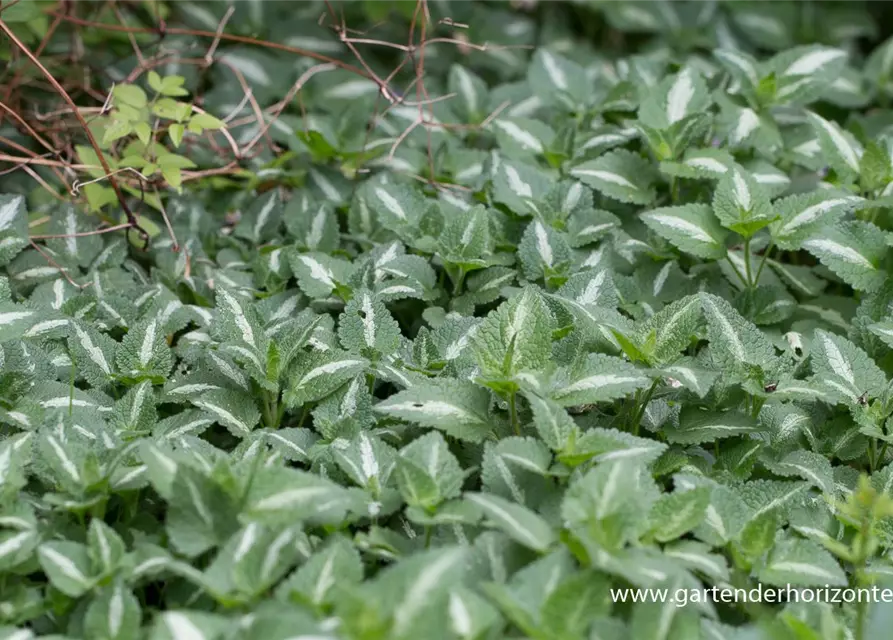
x,y
610,316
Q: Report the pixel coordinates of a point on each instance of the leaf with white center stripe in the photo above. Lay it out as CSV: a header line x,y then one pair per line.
x,y
692,228
189,625
690,375
293,443
114,613
812,467
318,274
260,222
73,249
840,148
458,408
93,353
741,203
366,459
316,374
517,184
844,370
17,547
742,66
852,249
471,91
558,81
802,214
605,445
367,327
736,344
696,426
802,74
466,239
13,227
135,412
700,164
591,288
590,226
677,513
237,321
598,378
144,352
795,561
282,495
334,566
200,515
543,251
427,471
106,548
621,175
520,523
67,565
520,137
229,409
884,331
314,225
611,501
397,206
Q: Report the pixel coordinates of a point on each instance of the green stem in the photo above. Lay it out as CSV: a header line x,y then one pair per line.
x,y
737,273
460,280
763,261
642,406
747,272
428,530
513,412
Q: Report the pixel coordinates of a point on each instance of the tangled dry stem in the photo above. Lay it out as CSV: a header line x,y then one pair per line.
x,y
55,130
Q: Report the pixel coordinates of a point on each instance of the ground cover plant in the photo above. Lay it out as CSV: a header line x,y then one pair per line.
x,y
384,320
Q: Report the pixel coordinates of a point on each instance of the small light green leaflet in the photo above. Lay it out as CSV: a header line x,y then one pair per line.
x,y
598,378
520,523
620,175
801,562
692,228
458,408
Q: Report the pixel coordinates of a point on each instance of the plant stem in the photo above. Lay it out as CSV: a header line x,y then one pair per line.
x,y
460,280
642,406
737,273
513,412
763,261
750,283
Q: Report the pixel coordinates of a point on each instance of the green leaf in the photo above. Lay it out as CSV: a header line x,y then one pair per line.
x,y
801,562
458,408
67,565
696,426
598,378
677,513
692,228
741,203
621,175
520,523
